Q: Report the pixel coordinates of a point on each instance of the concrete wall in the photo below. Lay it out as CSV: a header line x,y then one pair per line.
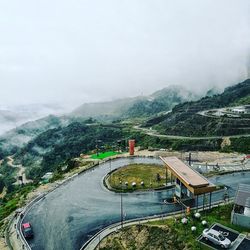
x,y
240,219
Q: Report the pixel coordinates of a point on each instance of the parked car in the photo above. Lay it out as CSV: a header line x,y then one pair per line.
x,y
216,237
27,230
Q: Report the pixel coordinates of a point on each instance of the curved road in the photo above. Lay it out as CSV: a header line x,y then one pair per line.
x,y
71,214
154,133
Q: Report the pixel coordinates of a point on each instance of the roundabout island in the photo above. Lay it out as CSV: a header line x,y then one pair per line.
x,y
136,177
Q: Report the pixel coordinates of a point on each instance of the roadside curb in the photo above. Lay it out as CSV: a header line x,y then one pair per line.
x,y
94,241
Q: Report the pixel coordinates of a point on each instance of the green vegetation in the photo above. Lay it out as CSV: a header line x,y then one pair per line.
x,y
160,101
184,120
7,177
153,176
14,199
170,233
241,145
104,155
15,139
50,150
220,214
243,101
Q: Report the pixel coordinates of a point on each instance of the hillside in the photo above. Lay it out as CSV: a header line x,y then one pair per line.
x,y
16,138
50,149
141,106
159,101
14,116
185,120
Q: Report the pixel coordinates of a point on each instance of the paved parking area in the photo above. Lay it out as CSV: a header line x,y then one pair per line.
x,y
244,245
239,242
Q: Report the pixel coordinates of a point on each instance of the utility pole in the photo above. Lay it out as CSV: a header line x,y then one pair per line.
x,y
110,170
121,212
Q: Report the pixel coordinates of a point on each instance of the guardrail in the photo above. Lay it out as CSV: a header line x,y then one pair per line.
x,y
26,209
131,222
21,216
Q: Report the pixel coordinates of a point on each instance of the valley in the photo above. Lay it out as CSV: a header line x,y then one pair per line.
x,y
163,124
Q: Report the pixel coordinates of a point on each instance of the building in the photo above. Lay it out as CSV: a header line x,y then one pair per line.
x,y
189,184
241,211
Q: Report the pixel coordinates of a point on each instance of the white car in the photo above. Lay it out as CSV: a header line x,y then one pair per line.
x,y
216,237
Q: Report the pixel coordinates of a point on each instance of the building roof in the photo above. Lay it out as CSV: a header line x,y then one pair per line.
x,y
242,194
188,174
195,182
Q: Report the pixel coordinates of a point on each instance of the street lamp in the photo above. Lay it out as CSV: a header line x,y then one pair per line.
x,y
121,212
121,181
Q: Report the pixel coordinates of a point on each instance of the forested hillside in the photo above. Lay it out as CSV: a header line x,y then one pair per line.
x,y
48,150
16,138
185,120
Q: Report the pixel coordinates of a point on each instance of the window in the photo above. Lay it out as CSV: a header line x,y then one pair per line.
x,y
178,181
221,237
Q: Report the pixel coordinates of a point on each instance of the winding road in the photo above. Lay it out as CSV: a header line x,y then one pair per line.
x,y
154,133
20,172
67,217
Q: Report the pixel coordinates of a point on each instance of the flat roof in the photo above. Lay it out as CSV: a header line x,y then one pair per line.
x,y
190,176
242,194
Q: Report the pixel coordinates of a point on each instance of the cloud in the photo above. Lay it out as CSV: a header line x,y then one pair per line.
x,y
81,51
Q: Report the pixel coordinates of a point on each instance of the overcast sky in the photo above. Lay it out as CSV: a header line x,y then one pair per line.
x,y
76,51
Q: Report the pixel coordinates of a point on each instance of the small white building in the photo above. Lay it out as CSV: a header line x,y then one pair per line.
x,y
241,211
47,176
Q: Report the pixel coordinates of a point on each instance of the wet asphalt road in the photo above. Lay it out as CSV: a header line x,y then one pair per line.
x,y
71,214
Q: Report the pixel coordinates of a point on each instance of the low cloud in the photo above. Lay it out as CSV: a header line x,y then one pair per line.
x,y
85,51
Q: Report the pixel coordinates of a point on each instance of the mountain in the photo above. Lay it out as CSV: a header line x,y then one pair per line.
x,y
14,116
186,120
141,106
104,110
51,148
160,101
213,91
16,138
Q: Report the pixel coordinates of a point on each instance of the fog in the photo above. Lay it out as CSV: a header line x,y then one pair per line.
x,y
71,52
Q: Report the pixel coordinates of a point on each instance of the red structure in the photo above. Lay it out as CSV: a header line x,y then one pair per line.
x,y
131,144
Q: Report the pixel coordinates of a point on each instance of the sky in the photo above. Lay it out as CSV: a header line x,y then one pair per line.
x,y
78,51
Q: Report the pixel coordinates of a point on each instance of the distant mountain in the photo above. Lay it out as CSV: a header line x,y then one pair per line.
x,y
185,120
104,110
141,106
14,116
161,101
16,138
213,91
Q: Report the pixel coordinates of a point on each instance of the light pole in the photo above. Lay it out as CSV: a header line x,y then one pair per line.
x,y
122,203
121,212
110,171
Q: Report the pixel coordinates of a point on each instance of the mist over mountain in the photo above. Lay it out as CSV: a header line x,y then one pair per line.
x,y
13,116
141,106
86,53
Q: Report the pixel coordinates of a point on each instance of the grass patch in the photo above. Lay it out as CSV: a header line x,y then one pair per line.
x,y
14,200
153,176
221,214
104,155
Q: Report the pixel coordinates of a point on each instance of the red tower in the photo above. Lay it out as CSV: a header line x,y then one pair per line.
x,y
131,144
